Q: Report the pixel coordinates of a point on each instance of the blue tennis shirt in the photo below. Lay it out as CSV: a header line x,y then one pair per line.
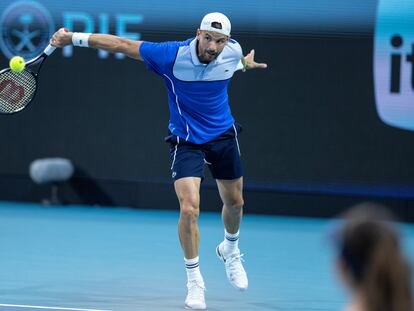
x,y
197,92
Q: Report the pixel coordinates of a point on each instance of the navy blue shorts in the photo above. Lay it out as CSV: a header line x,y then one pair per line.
x,y
221,155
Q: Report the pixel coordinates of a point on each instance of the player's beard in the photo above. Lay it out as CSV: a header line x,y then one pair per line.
x,y
206,56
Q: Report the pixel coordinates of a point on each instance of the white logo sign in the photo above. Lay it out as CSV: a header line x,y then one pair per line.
x,y
25,29
394,63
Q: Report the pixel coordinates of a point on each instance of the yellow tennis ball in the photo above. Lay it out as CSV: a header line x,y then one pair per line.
x,y
17,64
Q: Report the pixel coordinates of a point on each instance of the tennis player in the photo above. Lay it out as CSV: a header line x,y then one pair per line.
x,y
202,129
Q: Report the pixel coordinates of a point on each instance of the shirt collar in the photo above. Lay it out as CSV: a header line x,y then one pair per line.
x,y
193,51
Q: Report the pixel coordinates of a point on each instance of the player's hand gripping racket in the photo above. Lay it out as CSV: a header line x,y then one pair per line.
x,y
17,89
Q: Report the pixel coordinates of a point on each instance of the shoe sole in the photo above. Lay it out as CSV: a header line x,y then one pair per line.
x,y
198,308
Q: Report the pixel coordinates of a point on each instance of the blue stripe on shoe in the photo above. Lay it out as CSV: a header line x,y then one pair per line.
x,y
219,254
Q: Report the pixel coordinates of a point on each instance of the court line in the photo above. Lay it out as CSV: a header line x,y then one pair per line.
x,y
56,308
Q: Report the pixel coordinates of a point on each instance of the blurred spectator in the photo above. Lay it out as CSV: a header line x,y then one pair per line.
x,y
371,262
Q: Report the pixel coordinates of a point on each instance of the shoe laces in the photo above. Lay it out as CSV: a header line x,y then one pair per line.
x,y
234,263
195,290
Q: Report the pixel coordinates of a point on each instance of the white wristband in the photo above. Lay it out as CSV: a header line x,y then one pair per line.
x,y
80,39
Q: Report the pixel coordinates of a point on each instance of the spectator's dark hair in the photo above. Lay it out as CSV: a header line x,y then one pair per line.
x,y
370,248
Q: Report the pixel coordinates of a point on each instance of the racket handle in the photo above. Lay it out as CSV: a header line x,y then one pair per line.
x,y
49,49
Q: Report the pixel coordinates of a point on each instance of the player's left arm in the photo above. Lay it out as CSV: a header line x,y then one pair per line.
x,y
248,62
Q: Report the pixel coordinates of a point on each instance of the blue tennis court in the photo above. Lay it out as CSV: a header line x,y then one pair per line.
x,y
82,257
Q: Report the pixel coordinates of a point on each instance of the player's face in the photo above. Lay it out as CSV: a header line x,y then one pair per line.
x,y
210,45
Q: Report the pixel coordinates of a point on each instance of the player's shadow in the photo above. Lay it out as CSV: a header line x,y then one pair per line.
x,y
88,190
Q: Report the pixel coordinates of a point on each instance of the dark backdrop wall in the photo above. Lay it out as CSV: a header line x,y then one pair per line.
x,y
312,143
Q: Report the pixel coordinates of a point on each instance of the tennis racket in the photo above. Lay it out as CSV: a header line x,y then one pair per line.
x,y
17,89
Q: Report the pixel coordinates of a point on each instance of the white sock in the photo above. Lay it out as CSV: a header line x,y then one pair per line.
x,y
193,269
231,242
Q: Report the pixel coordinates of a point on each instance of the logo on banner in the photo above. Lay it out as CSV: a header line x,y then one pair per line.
x,y
394,63
25,28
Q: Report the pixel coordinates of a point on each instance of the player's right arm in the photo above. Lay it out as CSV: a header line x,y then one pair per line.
x,y
109,43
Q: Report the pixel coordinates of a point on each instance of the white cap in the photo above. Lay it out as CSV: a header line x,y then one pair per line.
x,y
208,22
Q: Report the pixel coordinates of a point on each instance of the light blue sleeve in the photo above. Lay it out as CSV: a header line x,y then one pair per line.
x,y
237,53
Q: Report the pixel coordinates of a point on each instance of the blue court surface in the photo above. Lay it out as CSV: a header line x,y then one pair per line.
x,y
78,257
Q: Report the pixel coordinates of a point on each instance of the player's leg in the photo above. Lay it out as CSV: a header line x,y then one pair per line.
x,y
187,171
231,194
188,193
226,168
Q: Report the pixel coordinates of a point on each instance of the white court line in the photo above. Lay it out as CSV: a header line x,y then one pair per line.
x,y
56,308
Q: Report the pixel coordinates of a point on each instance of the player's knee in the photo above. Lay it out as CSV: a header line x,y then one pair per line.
x,y
189,205
189,213
189,200
235,204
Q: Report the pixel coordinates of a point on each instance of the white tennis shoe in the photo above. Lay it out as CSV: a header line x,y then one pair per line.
x,y
195,296
234,268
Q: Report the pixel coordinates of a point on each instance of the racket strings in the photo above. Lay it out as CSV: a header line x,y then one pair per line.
x,y
16,90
